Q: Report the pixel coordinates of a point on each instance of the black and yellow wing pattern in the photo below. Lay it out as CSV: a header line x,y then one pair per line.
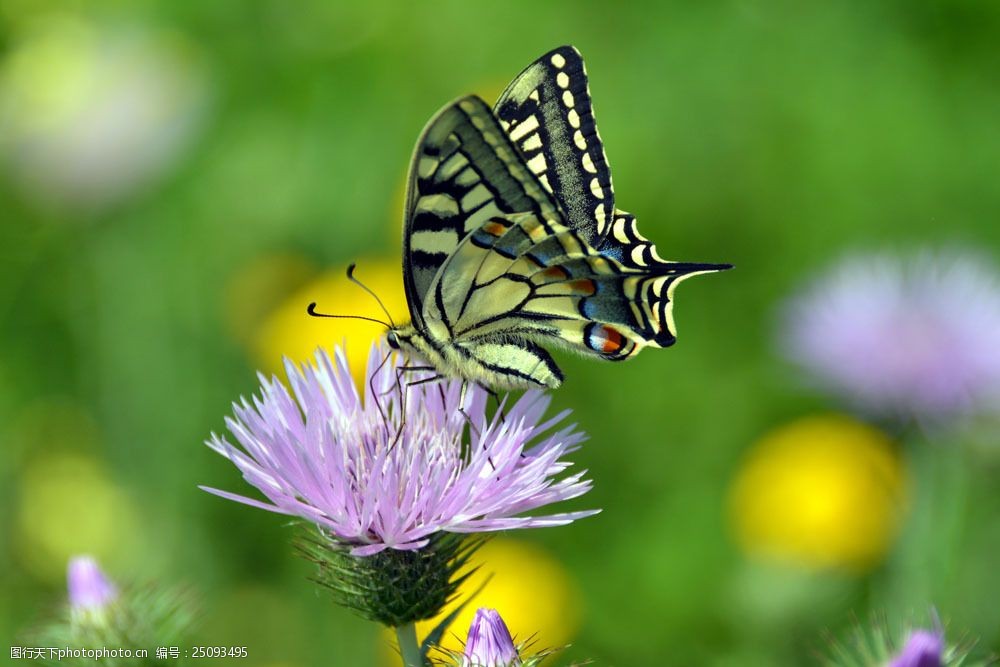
x,y
547,112
464,171
512,241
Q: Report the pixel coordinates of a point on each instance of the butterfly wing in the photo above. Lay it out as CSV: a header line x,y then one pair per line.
x,y
526,278
464,171
494,264
548,114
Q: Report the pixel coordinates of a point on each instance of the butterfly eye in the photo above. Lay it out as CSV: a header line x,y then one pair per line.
x,y
393,340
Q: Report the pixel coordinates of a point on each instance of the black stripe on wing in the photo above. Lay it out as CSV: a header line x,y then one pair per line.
x,y
464,171
547,112
534,273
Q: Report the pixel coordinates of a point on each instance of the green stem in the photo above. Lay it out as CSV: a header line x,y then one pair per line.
x,y
409,647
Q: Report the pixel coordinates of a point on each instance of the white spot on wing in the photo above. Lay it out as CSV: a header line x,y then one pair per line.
x,y
537,164
595,187
567,98
558,60
580,142
442,205
621,234
532,143
529,125
467,177
475,197
455,163
600,216
562,79
637,257
574,118
588,164
433,241
426,166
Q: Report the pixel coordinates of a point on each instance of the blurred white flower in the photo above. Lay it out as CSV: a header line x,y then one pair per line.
x,y
90,113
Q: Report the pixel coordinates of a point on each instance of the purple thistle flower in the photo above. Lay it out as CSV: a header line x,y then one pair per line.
x,y
489,643
923,649
89,589
379,472
910,338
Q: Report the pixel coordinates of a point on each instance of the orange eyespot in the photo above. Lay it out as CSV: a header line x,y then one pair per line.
x,y
614,341
494,228
605,339
584,286
555,273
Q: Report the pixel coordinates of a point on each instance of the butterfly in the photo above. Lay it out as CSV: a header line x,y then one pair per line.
x,y
512,242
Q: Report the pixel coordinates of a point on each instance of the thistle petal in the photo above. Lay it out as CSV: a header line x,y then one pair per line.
x,y
398,466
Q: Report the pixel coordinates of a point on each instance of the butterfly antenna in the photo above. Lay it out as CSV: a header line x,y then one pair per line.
x,y
350,276
315,313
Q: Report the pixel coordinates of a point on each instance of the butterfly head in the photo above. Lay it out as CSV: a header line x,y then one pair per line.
x,y
408,339
404,337
393,339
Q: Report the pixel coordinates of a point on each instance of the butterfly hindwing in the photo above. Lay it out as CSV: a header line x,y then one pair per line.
x,y
522,277
519,362
464,171
547,112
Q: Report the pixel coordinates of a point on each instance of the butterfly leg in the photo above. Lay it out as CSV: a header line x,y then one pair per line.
x,y
463,394
375,395
472,426
496,397
401,370
403,392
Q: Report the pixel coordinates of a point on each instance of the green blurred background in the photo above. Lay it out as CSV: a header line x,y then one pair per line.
x,y
175,172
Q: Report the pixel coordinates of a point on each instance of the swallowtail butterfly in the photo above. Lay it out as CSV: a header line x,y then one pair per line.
x,y
512,242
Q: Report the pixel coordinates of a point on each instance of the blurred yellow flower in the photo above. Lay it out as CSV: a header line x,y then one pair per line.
x,y
259,286
290,331
536,597
823,492
69,505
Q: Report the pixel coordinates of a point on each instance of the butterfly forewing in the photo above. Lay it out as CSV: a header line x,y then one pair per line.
x,y
464,172
548,113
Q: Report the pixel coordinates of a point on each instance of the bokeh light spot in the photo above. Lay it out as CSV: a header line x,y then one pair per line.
x,y
534,594
823,492
68,504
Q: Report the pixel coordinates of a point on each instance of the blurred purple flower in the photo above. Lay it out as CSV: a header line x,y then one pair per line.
x,y
89,589
923,649
489,643
911,338
380,472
